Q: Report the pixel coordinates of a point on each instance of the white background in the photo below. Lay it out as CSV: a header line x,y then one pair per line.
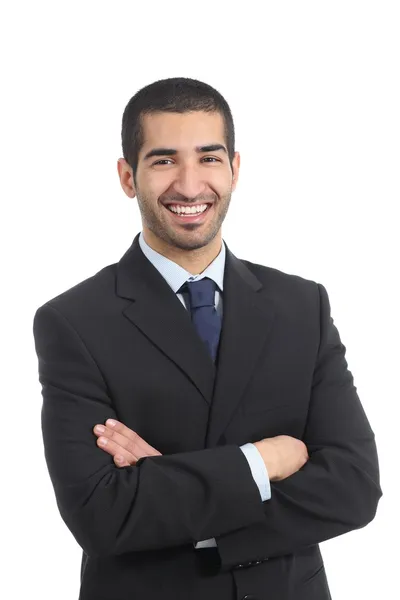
x,y
314,92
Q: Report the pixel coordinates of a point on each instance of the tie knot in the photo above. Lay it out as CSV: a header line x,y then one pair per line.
x,y
202,292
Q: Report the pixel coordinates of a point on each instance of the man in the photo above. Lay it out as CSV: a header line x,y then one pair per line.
x,y
239,442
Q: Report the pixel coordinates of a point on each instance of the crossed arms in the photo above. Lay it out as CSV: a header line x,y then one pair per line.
x,y
177,499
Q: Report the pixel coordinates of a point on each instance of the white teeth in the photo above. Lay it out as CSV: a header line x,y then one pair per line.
x,y
188,210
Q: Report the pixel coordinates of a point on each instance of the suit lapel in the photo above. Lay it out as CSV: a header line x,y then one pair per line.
x,y
162,318
158,313
247,318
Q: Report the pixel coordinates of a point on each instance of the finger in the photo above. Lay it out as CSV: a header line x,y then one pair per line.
x,y
129,439
104,434
109,446
131,435
120,461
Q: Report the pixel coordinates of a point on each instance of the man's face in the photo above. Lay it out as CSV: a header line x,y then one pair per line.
x,y
187,177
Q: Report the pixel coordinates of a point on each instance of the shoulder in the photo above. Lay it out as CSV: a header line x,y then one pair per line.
x,y
295,298
280,283
88,297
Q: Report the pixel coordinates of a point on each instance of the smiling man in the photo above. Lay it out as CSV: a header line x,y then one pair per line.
x,y
184,191
202,431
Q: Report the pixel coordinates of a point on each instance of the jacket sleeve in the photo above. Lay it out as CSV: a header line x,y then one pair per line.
x,y
338,489
162,501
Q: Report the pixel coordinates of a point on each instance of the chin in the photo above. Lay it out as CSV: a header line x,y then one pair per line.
x,y
187,242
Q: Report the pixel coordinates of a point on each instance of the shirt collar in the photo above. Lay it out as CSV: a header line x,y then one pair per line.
x,y
175,275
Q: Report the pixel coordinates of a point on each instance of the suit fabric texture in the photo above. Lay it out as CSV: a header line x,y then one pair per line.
x,y
120,344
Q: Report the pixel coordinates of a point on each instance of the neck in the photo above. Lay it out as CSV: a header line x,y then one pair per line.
x,y
193,261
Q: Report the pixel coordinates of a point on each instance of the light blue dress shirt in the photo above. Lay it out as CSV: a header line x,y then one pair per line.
x,y
176,276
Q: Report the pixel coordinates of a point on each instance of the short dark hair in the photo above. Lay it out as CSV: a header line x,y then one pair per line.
x,y
176,94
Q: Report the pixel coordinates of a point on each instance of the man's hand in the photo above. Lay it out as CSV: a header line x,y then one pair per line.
x,y
283,455
123,443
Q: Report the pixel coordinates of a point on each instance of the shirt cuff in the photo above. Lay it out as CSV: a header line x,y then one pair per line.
x,y
260,476
258,470
211,543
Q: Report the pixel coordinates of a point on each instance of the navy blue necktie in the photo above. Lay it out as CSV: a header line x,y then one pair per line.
x,y
204,316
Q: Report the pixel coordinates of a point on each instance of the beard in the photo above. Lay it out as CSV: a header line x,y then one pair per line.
x,y
187,236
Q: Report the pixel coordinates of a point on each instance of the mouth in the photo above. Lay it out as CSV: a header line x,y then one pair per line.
x,y
192,217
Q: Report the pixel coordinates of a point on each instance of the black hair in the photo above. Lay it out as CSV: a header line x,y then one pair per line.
x,y
176,94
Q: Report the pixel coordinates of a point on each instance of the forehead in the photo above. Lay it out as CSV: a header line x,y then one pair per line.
x,y
182,130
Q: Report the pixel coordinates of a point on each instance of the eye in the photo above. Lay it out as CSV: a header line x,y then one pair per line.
x,y
161,161
164,160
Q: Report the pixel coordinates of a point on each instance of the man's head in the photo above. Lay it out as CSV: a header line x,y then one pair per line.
x,y
178,145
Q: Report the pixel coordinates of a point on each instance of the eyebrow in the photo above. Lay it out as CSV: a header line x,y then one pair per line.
x,y
172,151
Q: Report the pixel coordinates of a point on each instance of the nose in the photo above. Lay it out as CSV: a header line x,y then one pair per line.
x,y
189,182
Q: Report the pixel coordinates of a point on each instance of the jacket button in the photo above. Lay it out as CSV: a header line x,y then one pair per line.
x,y
250,597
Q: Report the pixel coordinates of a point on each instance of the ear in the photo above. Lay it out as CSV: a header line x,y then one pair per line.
x,y
125,174
235,169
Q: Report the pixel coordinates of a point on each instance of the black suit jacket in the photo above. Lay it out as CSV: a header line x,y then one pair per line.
x,y
120,344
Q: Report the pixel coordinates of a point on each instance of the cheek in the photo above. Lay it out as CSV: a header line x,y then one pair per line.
x,y
160,189
153,184
221,183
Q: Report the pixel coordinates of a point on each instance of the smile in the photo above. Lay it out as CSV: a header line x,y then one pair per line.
x,y
188,214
